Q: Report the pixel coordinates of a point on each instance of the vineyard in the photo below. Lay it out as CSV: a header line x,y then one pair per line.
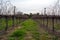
x,y
17,25
29,28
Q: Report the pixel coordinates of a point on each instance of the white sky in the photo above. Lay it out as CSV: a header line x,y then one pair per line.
x,y
33,6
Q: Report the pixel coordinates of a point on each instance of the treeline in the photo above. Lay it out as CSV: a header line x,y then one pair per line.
x,y
25,16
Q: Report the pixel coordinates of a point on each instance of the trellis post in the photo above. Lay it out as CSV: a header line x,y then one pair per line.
x,y
6,17
53,24
13,17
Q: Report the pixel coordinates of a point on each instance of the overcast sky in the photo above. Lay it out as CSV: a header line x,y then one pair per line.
x,y
34,6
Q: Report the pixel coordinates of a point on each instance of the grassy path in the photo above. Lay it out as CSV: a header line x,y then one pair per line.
x,y
30,30
31,27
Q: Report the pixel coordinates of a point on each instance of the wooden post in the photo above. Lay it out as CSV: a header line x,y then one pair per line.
x,y
44,11
47,22
6,28
56,20
1,19
53,24
44,15
13,17
19,19
30,16
43,20
13,20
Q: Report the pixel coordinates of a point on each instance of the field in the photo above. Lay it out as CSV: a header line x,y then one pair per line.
x,y
29,29
29,20
9,23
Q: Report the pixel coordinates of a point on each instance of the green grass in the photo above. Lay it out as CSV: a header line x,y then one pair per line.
x,y
27,26
31,27
2,23
18,33
10,23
